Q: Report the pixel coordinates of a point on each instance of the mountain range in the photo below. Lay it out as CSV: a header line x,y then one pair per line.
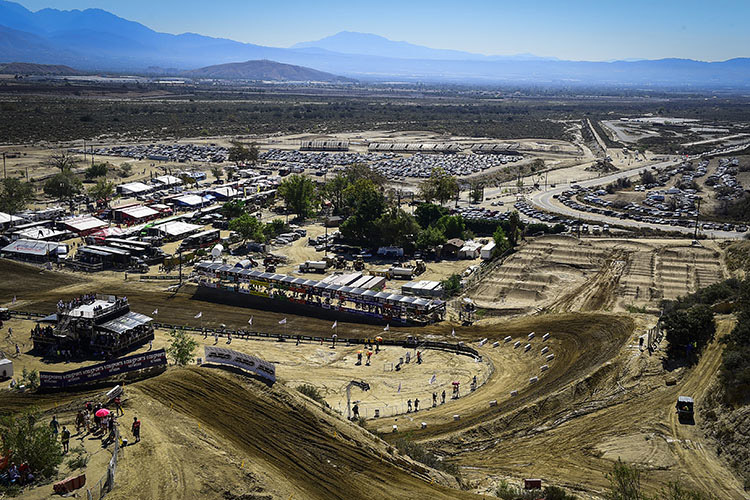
x,y
96,40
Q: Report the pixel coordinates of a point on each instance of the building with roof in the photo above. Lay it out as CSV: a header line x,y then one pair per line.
x,y
101,325
34,251
134,189
191,200
83,225
470,250
40,233
135,214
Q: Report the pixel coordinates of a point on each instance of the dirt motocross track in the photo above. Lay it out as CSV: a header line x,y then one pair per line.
x,y
223,436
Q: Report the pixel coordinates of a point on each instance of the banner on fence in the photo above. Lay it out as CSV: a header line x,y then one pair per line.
x,y
258,366
54,380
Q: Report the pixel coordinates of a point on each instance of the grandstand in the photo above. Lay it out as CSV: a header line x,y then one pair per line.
x,y
326,145
410,147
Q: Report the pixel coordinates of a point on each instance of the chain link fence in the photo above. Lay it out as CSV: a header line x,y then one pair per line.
x,y
105,484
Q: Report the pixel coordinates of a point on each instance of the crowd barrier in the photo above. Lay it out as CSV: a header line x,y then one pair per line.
x,y
457,348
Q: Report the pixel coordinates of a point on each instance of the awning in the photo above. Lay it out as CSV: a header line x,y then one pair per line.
x,y
125,322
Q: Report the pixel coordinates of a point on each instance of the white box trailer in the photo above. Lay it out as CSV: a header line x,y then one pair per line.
x,y
487,250
6,368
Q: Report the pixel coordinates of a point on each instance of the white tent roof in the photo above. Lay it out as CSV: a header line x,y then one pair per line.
x,y
134,187
84,223
192,200
38,233
168,180
226,192
177,228
6,218
138,212
34,247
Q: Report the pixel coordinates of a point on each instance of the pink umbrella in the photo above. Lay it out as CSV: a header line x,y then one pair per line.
x,y
102,413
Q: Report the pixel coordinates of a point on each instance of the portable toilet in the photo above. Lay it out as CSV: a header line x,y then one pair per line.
x,y
6,368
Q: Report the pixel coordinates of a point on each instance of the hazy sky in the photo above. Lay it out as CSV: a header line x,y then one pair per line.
x,y
569,29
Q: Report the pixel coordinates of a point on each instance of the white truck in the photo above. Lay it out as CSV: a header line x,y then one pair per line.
x,y
313,266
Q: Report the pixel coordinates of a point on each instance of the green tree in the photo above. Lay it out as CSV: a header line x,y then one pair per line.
x,y
24,438
298,192
248,227
476,194
735,363
217,172
102,190
63,185
428,213
65,161
96,170
181,348
233,209
274,228
514,228
453,226
396,227
240,153
359,171
451,285
14,195
439,186
126,170
430,237
689,330
501,241
334,191
367,203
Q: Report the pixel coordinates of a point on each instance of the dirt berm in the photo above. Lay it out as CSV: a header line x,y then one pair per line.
x,y
292,440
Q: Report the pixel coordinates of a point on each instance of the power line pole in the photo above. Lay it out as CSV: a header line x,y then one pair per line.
x,y
5,174
697,214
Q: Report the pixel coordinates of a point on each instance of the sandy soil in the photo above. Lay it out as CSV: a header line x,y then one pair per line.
x,y
601,397
566,273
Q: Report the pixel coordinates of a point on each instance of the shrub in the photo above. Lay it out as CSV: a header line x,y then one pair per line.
x,y
79,458
311,392
422,455
181,347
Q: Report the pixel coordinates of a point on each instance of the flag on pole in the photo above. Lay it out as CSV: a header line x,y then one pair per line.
x,y
387,328
282,322
399,387
200,314
156,311
453,333
433,379
250,321
335,324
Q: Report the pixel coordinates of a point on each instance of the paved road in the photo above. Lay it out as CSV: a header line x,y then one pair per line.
x,y
545,200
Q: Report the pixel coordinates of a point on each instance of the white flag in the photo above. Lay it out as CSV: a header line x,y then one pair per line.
x,y
433,379
250,321
335,324
156,311
200,314
282,322
453,333
387,328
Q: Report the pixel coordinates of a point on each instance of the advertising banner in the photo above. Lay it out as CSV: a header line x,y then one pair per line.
x,y
55,380
258,366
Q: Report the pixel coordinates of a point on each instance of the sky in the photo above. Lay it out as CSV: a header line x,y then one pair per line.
x,y
598,30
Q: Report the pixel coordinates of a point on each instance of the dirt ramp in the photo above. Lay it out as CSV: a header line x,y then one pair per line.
x,y
320,456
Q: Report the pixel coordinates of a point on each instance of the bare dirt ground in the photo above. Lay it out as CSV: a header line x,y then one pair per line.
x,y
599,399
564,273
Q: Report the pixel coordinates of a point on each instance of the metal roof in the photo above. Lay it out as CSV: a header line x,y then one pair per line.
x,y
125,322
32,247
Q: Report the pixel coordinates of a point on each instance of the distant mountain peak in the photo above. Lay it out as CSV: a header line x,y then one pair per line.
x,y
263,69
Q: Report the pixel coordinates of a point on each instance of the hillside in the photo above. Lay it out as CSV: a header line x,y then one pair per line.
x,y
21,68
264,70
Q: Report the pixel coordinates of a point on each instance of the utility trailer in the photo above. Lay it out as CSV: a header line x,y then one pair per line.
x,y
685,409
